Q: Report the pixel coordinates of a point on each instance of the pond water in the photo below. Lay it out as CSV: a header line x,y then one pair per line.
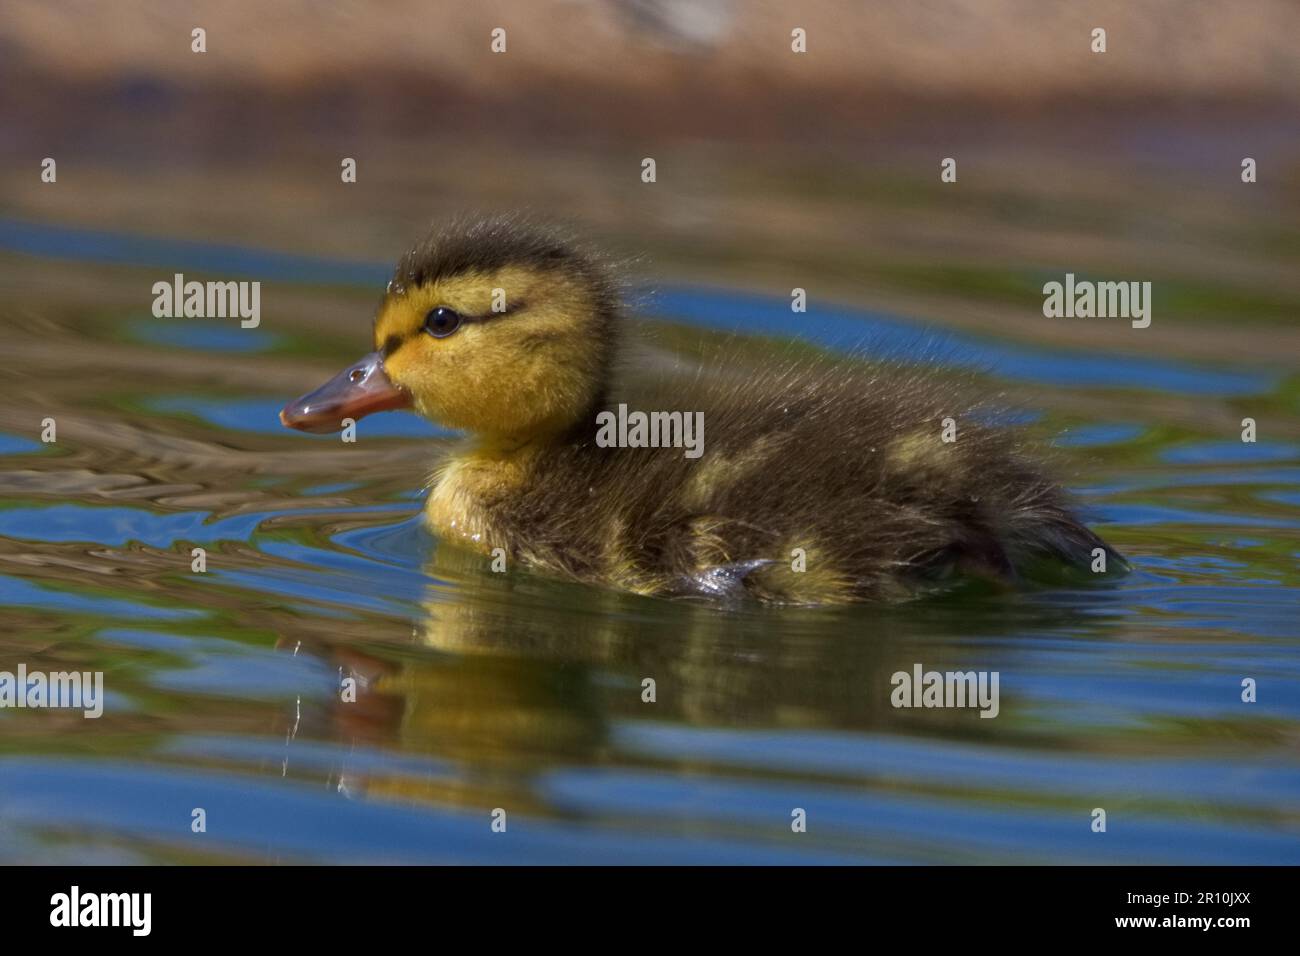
x,y
480,691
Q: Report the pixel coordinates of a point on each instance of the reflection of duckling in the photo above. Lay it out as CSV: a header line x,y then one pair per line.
x,y
818,483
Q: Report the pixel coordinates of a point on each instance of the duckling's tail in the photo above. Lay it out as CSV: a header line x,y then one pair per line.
x,y
1049,539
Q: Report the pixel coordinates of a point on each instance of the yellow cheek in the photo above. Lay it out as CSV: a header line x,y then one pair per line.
x,y
453,380
420,367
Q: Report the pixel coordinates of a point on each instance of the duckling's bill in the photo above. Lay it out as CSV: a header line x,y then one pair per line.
x,y
360,389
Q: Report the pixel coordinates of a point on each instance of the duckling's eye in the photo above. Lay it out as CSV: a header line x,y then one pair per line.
x,y
441,322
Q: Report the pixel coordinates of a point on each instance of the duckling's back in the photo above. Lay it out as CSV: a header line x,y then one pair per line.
x,y
817,482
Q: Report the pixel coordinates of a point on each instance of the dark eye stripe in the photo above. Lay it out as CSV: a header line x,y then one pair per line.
x,y
393,342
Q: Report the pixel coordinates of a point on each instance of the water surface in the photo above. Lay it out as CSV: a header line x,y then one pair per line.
x,y
482,691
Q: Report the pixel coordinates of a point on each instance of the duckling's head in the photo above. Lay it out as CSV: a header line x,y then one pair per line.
x,y
499,327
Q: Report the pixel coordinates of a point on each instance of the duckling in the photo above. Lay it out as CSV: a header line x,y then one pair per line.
x,y
822,481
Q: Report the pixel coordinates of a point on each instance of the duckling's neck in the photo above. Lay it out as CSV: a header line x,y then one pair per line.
x,y
470,489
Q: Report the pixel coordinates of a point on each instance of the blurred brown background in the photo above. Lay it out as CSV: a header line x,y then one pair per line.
x,y
774,169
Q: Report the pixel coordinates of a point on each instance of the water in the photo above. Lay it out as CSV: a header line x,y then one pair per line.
x,y
483,691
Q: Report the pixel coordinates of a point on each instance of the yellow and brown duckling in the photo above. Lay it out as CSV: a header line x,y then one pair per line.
x,y
821,482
